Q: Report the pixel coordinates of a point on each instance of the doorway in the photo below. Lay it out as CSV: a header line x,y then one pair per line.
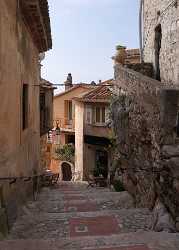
x,y
101,163
158,41
66,172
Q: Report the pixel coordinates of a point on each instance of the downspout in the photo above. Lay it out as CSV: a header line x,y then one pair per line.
x,y
141,30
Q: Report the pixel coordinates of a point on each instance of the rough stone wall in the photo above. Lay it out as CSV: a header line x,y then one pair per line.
x,y
164,12
19,149
143,68
144,114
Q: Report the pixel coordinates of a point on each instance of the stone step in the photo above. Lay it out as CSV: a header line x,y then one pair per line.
x,y
130,241
55,225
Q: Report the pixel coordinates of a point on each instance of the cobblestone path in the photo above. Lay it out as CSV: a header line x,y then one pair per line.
x,y
72,216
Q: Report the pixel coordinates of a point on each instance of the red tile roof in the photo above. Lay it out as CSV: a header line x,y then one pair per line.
x,y
75,86
101,93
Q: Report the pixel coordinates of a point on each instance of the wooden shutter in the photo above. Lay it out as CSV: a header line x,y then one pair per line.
x,y
88,114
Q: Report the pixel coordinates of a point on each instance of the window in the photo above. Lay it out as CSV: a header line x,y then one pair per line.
x,y
158,42
100,115
88,114
25,106
70,110
103,114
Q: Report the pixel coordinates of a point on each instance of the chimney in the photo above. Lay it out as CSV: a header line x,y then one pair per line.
x,y
93,83
69,82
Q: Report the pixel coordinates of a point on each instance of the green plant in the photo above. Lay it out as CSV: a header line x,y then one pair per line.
x,y
65,153
118,47
118,186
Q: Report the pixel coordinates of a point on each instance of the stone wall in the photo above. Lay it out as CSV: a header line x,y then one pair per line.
x,y
144,114
143,68
166,13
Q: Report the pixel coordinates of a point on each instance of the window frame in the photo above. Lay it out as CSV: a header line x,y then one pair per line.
x,y
102,118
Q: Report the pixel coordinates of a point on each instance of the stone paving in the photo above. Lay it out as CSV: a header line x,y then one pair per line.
x,y
72,216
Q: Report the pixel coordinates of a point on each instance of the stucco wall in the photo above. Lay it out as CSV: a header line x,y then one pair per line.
x,y
168,18
79,138
19,149
59,101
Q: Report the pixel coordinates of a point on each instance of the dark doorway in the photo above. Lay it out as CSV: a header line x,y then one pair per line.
x,y
66,172
158,40
101,163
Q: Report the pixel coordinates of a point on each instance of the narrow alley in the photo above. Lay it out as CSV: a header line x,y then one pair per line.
x,y
74,216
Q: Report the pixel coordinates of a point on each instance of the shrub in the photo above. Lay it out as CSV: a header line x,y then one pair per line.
x,y
66,153
118,186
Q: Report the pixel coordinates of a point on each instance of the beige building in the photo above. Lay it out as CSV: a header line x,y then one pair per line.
x,y
46,122
24,33
92,134
80,112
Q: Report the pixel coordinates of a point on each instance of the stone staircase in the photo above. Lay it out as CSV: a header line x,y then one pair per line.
x,y
72,216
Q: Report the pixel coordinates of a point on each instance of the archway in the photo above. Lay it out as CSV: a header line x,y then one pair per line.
x,y
158,41
66,171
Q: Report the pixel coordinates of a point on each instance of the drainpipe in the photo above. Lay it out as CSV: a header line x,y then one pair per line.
x,y
140,30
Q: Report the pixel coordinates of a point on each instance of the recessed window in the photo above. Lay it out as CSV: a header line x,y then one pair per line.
x,y
103,114
100,115
68,110
25,106
88,114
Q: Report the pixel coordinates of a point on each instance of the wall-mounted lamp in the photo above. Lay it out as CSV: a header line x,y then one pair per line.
x,y
57,128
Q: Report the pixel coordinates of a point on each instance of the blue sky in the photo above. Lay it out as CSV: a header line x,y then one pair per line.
x,y
85,33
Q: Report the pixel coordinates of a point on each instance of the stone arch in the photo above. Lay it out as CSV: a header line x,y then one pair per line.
x,y
66,171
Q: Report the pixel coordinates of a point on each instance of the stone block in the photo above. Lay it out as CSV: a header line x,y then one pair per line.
x,y
171,151
162,220
169,109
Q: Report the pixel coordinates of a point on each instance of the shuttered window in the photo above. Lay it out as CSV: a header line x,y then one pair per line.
x,y
100,115
88,114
